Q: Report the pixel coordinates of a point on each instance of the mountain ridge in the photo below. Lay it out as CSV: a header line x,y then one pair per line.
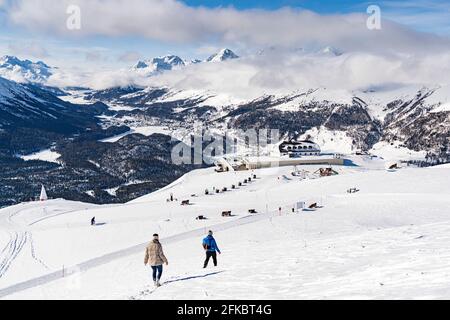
x,y
25,71
171,62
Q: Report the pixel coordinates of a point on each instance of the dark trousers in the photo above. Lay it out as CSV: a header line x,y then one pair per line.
x,y
157,272
210,254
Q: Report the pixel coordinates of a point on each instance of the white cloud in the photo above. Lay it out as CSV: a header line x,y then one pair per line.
x,y
284,72
393,55
207,50
95,80
95,56
129,56
29,49
173,21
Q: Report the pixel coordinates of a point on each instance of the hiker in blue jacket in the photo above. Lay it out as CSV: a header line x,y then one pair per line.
x,y
210,246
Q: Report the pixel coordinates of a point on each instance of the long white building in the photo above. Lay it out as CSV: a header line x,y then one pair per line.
x,y
297,149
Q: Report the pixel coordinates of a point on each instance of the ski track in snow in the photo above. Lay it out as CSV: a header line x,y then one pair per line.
x,y
15,245
33,253
17,241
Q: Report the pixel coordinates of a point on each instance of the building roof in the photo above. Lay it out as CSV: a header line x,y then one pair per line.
x,y
294,142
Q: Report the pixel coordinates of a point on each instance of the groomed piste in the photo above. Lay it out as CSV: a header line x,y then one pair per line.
x,y
388,239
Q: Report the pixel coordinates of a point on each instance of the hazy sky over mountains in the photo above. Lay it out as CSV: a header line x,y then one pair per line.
x,y
411,45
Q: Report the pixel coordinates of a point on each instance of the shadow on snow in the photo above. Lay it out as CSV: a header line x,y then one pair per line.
x,y
194,277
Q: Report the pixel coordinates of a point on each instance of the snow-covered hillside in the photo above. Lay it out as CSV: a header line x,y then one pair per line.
x,y
10,89
331,95
386,241
30,106
412,118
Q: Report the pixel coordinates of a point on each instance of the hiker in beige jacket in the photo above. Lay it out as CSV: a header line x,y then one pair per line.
x,y
154,256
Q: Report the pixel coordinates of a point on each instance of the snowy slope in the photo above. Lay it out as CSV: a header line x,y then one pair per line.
x,y
146,131
386,241
330,140
31,107
342,120
394,152
10,89
44,155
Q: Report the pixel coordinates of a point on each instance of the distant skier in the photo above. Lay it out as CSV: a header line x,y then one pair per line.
x,y
154,256
210,246
93,221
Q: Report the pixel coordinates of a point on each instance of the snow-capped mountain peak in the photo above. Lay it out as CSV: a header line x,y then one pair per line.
x,y
159,64
24,71
331,51
140,65
168,62
162,64
194,61
223,55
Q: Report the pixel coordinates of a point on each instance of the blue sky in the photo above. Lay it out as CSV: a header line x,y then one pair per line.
x,y
324,6
423,15
26,40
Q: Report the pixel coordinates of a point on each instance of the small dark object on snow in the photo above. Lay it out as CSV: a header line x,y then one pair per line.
x,y
185,202
313,206
326,172
201,218
217,191
240,184
245,181
226,214
254,176
233,187
353,190
206,191
224,189
93,221
252,211
394,166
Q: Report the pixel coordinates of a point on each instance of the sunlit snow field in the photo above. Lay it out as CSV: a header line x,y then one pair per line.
x,y
389,240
